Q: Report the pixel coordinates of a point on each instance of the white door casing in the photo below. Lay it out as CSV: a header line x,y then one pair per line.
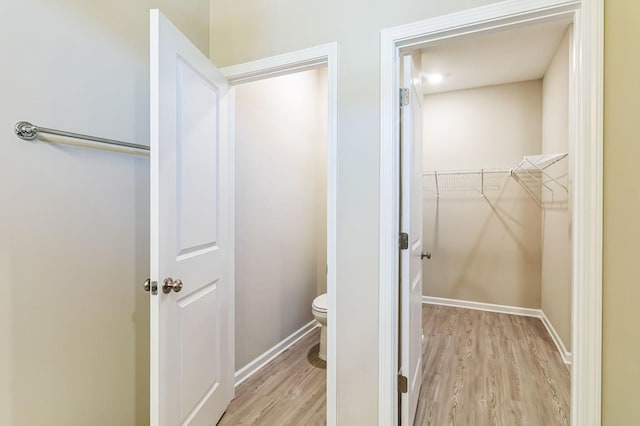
x,y
586,122
191,340
411,224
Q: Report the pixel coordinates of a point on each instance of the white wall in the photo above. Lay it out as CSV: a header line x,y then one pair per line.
x,y
483,249
74,221
556,236
242,31
280,208
322,122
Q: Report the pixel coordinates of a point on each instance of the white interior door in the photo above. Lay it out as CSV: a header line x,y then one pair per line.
x,y
191,336
411,224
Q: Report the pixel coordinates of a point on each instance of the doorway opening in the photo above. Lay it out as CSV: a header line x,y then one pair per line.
x,y
508,231
280,278
496,225
285,159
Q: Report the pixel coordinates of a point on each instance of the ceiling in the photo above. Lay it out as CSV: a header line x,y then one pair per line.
x,y
500,57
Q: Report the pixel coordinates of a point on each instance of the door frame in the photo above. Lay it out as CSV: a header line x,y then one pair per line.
x,y
301,60
586,127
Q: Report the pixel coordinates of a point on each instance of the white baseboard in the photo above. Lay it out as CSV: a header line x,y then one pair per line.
x,y
250,369
564,353
479,306
505,309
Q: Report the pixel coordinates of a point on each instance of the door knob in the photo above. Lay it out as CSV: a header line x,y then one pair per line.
x,y
169,284
427,255
150,285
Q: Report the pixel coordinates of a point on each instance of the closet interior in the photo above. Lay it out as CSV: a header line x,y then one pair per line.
x,y
497,200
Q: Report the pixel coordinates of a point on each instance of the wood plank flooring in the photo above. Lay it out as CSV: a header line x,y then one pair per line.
x,y
483,368
290,390
480,369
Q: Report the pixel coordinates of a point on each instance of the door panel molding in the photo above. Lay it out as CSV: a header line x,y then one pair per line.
x,y
191,373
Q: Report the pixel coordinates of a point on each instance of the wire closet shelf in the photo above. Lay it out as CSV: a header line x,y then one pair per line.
x,y
534,173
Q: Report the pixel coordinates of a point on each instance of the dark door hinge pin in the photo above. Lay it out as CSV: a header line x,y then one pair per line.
x,y
404,241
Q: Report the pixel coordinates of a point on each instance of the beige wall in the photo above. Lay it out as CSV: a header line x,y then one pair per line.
x,y
280,208
483,249
74,221
621,369
556,216
46,84
321,189
242,31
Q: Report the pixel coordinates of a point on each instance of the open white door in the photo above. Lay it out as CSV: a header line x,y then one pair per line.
x,y
191,336
411,225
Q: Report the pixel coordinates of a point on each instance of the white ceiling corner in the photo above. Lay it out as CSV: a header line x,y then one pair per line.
x,y
501,57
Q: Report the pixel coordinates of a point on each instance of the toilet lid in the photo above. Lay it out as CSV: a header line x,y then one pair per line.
x,y
320,302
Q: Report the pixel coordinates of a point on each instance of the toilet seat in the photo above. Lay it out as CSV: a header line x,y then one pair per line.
x,y
319,311
320,303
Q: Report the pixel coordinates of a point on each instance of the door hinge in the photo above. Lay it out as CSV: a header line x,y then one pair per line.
x,y
404,241
403,384
404,97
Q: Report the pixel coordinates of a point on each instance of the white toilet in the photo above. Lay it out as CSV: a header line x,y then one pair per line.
x,y
319,309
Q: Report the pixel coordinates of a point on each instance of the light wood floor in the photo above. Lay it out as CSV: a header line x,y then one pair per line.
x,y
483,368
480,369
290,390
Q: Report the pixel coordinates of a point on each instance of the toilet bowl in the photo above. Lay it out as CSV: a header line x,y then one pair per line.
x,y
319,310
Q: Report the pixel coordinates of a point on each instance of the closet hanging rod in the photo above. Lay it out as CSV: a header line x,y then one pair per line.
x,y
465,172
28,132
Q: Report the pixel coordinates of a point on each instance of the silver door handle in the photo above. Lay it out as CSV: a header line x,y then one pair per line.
x,y
169,284
151,286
